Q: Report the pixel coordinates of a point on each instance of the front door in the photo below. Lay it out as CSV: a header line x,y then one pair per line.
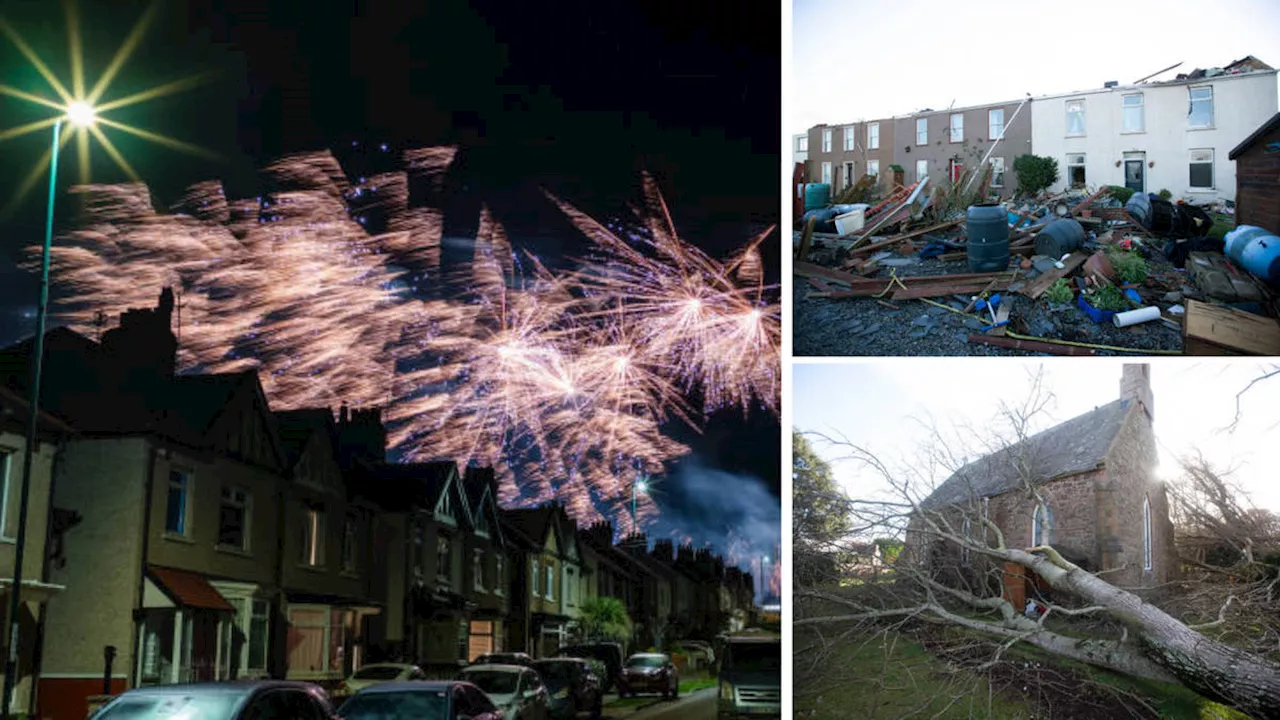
x,y
1135,171
957,169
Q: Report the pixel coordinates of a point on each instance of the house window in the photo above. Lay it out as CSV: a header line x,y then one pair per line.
x,y
922,131
848,174
922,170
550,590
178,503
1075,118
477,570
826,140
873,168
826,173
1200,114
1075,169
350,540
873,136
1041,526
534,577
1134,122
1146,533
499,574
248,646
848,138
1202,169
6,464
312,535
802,143
483,639
464,640
315,641
957,127
997,172
444,559
233,518
995,124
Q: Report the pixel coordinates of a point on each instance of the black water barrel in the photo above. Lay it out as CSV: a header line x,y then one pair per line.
x,y
987,225
1059,238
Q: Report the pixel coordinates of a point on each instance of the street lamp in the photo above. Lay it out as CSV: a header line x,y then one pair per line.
x,y
82,114
640,485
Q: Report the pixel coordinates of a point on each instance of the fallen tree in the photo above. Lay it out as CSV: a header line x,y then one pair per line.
x,y
1130,634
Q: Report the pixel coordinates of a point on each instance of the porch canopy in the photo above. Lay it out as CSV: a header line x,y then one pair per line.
x,y
167,587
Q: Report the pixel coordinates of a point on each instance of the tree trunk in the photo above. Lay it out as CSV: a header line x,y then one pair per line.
x,y
1214,669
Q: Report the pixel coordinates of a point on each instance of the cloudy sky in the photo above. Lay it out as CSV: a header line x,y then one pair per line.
x,y
864,60
887,407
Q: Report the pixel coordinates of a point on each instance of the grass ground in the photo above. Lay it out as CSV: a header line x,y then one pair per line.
x,y
895,675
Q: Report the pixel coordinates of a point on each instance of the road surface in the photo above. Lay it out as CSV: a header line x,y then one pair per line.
x,y
700,705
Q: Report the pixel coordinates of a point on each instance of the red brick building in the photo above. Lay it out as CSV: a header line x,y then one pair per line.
x,y
1257,161
1103,508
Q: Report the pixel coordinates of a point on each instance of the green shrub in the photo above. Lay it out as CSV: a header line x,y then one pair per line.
x,y
1059,293
1130,267
1121,193
1109,298
1035,173
896,168
1165,194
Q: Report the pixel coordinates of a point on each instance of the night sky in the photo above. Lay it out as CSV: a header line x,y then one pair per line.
x,y
577,102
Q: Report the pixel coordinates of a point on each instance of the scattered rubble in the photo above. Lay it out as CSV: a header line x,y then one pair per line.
x,y
1085,275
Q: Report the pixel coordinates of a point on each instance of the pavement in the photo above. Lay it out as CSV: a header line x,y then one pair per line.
x,y
697,705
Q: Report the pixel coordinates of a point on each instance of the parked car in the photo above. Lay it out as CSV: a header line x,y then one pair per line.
x,y
421,700
609,653
516,689
649,673
378,673
750,676
250,700
516,658
573,685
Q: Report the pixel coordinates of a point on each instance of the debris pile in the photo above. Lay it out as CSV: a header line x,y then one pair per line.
x,y
1084,273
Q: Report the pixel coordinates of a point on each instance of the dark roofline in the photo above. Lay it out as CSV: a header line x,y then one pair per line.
x,y
54,422
1245,144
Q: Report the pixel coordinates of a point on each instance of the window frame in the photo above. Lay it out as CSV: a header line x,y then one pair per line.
x,y
873,136
1191,105
921,176
1212,186
1083,165
827,173
827,139
802,144
246,507
184,531
953,129
991,125
1084,119
1124,114
922,131
444,558
997,176
1147,563
549,593
477,570
313,545
1041,530
873,165
850,138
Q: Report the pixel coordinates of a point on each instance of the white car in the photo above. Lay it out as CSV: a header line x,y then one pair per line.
x,y
378,673
516,690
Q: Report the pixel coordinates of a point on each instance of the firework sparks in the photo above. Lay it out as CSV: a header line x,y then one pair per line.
x,y
560,381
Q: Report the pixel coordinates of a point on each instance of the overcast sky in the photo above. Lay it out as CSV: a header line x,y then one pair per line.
x,y
878,405
863,60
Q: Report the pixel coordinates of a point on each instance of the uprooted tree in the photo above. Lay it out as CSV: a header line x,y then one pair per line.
x,y
973,547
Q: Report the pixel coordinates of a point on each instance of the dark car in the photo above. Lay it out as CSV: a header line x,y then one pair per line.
x,y
649,673
515,658
574,687
255,700
421,700
609,653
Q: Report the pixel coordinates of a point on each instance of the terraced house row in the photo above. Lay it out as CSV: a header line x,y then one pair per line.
x,y
181,530
1147,135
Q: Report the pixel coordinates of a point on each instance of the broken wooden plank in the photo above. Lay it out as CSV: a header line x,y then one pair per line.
x,y
1210,329
1029,345
1038,286
1089,200
881,223
806,239
819,284
924,291
809,270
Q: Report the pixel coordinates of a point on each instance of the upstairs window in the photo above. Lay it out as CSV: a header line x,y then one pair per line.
x,y
922,131
802,144
1075,118
444,558
313,530
826,140
873,136
848,138
233,518
1134,122
957,128
995,124
178,503
1200,113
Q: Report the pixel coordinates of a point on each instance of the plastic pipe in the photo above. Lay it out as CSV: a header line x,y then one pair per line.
x,y
1135,317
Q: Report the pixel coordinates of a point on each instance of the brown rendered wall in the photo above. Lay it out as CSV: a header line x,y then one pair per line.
x,y
1258,185
838,157
940,150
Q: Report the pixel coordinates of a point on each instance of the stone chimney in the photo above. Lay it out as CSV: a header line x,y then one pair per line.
x,y
361,435
143,348
1135,384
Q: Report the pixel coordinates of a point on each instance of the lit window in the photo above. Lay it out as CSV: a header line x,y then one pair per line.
x,y
995,124
957,127
1075,118
312,535
873,136
1075,170
1200,114
1202,169
922,131
1133,120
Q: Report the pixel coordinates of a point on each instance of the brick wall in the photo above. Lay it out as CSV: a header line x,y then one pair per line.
x,y
1071,502
1258,185
1128,480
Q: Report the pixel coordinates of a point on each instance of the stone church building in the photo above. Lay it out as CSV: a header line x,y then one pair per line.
x,y
1103,507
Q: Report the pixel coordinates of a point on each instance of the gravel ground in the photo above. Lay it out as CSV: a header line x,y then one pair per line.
x,y
862,326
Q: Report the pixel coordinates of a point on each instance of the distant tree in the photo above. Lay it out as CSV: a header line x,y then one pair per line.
x,y
1035,173
820,519
604,618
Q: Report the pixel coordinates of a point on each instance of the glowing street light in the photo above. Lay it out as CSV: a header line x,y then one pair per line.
x,y
81,114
